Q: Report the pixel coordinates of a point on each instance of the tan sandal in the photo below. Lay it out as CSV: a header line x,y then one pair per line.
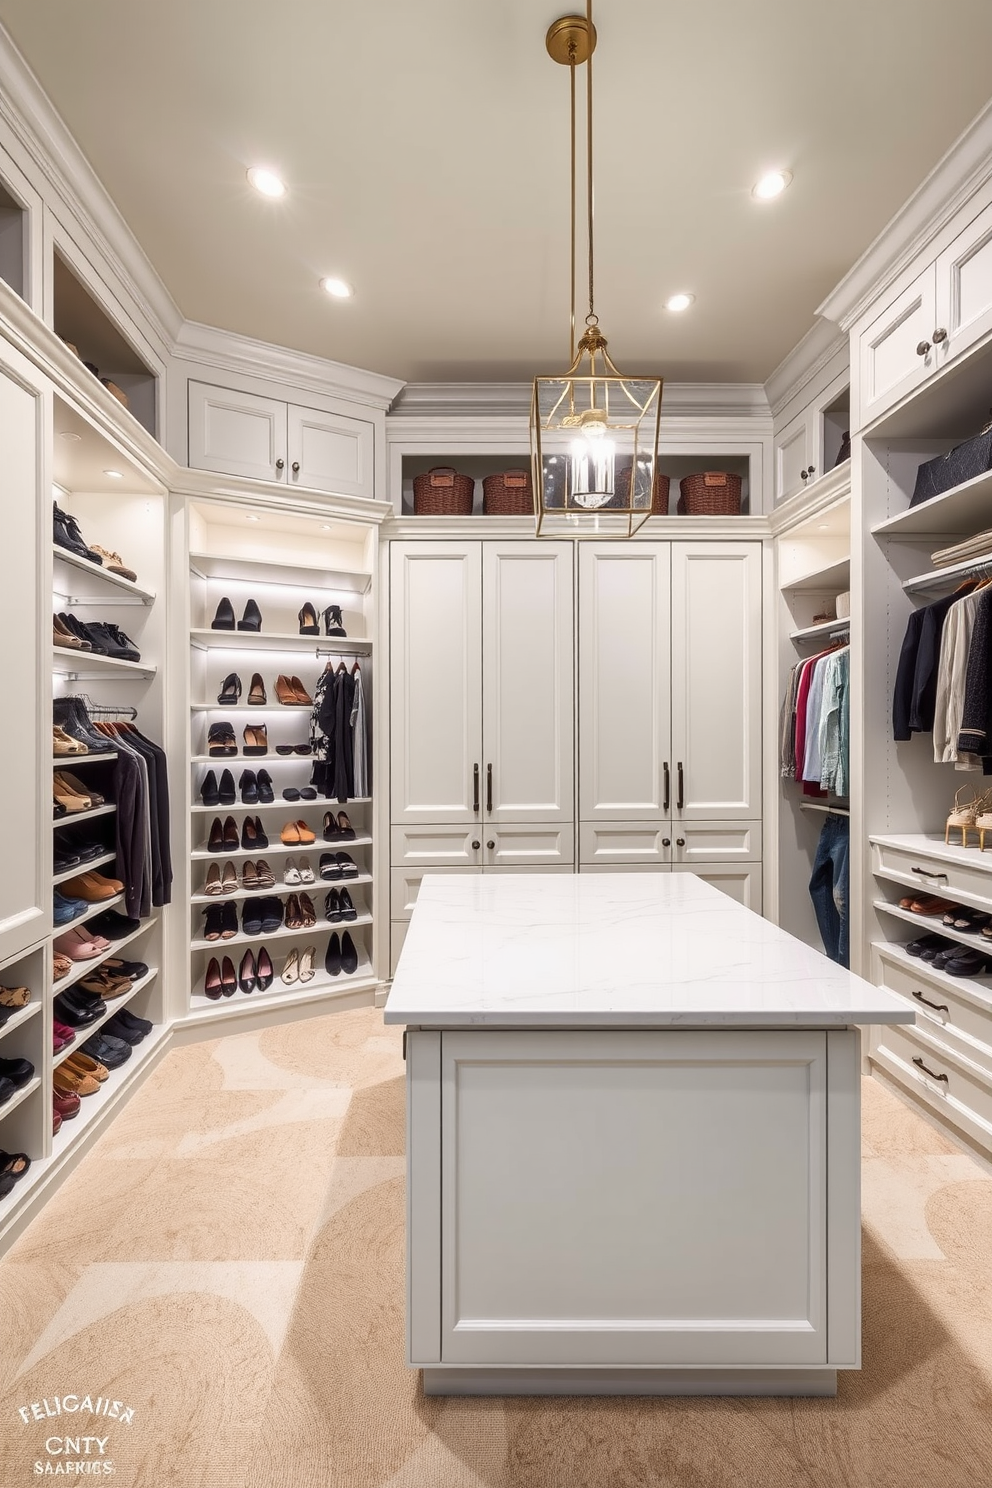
x,y
962,816
66,796
63,743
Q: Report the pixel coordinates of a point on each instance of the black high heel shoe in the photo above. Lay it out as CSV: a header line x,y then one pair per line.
x,y
264,970
252,617
224,618
333,624
309,624
247,973
266,795
230,690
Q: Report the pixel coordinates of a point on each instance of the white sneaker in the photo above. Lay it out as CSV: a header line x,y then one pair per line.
x,y
291,874
306,872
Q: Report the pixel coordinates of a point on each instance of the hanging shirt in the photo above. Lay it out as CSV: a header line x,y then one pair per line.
x,y
952,672
835,724
811,763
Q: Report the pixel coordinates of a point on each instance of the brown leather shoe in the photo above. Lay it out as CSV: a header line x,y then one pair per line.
x,y
63,636
68,1082
66,796
81,788
83,1064
286,692
256,692
302,696
92,887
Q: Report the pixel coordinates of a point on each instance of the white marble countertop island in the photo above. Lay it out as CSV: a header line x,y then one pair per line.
x,y
621,950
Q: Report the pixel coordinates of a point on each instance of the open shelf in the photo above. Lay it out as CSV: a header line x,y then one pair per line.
x,y
295,575
90,914
248,641
964,510
81,968
982,984
113,1006
200,854
251,708
22,1095
13,224
360,980
72,762
87,867
218,762
836,576
82,322
17,1019
80,816
282,890
80,665
322,927
824,630
938,580
931,925
126,586
324,803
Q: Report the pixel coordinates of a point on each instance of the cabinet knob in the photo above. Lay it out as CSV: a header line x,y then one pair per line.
x,y
666,841
490,844
680,842
476,844
280,464
296,467
804,475
811,470
940,334
923,348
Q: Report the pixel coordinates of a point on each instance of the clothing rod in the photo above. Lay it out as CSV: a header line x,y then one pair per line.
x,y
829,810
950,577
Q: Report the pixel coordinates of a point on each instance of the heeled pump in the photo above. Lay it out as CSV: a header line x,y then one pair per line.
x,y
333,624
224,618
963,815
252,617
309,623
230,690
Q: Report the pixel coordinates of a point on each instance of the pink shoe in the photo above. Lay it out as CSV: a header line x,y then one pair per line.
x,y
77,946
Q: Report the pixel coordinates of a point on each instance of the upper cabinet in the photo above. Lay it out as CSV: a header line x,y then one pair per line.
x,y
237,433
964,290
815,440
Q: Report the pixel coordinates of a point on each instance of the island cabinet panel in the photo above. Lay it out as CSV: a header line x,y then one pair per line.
x,y
549,1253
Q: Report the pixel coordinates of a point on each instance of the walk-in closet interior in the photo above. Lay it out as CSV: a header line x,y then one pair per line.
x,y
299,613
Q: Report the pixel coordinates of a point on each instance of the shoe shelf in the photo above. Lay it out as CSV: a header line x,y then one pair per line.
x,y
82,1034
247,640
823,631
286,575
94,570
202,855
836,576
75,664
220,947
87,867
958,512
320,985
72,762
322,803
93,1106
892,949
21,1095
253,708
17,1019
220,762
81,816
281,890
932,925
90,914
81,968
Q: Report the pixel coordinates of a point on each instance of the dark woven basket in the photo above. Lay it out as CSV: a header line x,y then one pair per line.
x,y
711,493
442,492
659,495
508,493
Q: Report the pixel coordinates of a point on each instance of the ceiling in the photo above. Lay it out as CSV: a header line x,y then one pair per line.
x,y
426,151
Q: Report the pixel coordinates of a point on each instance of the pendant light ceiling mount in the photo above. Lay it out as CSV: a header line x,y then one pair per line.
x,y
594,431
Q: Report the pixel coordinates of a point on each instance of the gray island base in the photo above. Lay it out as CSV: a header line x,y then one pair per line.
x,y
633,1141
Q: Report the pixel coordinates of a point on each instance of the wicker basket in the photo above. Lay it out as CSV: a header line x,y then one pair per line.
x,y
659,495
442,492
711,493
508,493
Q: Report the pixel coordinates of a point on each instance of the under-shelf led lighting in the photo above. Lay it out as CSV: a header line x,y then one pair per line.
x,y
339,289
771,185
266,181
71,435
115,474
678,302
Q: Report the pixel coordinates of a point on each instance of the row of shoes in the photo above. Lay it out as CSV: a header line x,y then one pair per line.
x,y
224,838
951,956
100,637
70,714
289,691
971,815
64,744
88,1067
80,894
72,847
14,1075
86,1000
255,787
221,742
12,999
251,620
263,916
256,972
95,938
66,534
13,1166
69,794
954,916
257,875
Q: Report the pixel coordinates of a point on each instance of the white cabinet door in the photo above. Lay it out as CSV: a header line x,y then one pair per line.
x,y
624,681
891,363
964,289
527,682
236,433
716,681
550,1253
328,452
435,686
794,453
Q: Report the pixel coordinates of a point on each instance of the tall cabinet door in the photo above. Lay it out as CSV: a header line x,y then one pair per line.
x,y
716,680
26,868
624,685
527,682
435,685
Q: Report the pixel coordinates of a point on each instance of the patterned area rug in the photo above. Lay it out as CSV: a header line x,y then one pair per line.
x,y
228,1266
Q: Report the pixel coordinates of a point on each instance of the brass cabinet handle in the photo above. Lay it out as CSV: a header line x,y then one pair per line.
x,y
938,1007
489,789
928,1071
668,787
680,802
475,789
939,335
923,348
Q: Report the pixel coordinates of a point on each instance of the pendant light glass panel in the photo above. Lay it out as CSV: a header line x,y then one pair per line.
x,y
594,442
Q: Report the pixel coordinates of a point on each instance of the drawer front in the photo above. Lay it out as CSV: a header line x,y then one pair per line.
x,y
963,1097
436,846
964,875
946,1011
603,843
717,842
523,845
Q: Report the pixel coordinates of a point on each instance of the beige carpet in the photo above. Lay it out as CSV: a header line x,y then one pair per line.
x,y
228,1263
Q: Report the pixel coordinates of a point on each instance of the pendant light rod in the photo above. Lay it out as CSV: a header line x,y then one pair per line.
x,y
571,41
590,320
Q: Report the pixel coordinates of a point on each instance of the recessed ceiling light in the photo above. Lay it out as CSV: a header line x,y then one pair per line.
x,y
325,527
253,519
679,301
115,474
265,180
70,434
339,288
771,185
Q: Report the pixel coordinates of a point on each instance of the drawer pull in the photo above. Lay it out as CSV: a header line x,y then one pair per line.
x,y
929,873
927,1071
938,1007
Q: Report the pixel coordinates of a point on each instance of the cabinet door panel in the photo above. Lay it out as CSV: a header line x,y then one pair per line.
x,y
716,680
793,455
527,681
435,687
890,364
236,433
604,843
717,842
742,881
624,680
964,288
530,846
333,453
549,1252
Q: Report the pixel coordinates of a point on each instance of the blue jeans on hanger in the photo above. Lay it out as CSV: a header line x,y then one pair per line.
x,y
828,887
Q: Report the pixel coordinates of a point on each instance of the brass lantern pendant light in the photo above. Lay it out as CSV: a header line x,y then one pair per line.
x,y
594,432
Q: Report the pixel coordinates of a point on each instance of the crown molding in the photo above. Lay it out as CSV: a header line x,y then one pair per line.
x,y
821,343
508,399
207,346
40,131
957,176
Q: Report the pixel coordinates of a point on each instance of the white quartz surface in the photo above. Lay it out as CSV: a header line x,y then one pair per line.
x,y
595,950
